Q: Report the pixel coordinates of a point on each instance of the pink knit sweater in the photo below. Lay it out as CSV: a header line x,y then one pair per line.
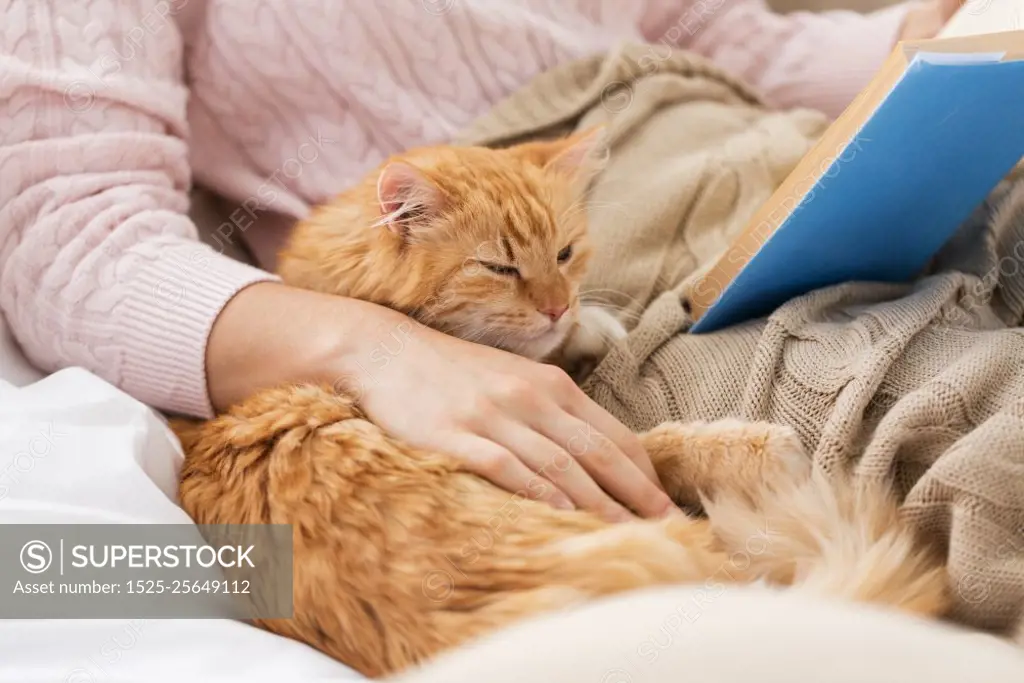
x,y
110,109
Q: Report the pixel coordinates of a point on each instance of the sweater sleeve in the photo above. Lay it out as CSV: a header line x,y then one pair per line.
x,y
817,60
99,264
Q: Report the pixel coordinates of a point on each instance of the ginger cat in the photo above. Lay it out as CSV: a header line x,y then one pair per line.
x,y
400,553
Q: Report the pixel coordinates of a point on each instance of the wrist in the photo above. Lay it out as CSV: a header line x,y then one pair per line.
x,y
271,334
348,334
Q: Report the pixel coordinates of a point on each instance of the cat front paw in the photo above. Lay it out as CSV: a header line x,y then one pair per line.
x,y
773,450
596,332
698,459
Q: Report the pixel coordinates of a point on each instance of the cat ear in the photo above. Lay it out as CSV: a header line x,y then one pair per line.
x,y
406,196
582,156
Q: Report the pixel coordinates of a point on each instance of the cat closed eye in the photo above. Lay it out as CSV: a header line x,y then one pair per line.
x,y
499,269
565,254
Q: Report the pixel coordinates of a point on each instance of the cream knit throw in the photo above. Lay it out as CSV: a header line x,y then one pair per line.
x,y
922,384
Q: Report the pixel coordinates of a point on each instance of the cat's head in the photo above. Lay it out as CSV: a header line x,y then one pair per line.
x,y
493,243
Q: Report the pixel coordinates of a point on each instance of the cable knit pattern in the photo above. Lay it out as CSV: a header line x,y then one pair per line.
x,y
109,107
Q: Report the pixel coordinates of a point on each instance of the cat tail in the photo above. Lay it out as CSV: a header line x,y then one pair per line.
x,y
834,537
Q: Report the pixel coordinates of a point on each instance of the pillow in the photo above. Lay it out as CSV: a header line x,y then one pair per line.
x,y
742,634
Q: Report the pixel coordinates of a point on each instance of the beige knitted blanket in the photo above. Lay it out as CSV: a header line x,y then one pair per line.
x,y
921,383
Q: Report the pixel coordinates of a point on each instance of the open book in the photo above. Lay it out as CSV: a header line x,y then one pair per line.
x,y
888,183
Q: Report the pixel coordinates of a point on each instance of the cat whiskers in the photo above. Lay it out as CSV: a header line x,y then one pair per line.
x,y
585,205
619,314
476,332
628,312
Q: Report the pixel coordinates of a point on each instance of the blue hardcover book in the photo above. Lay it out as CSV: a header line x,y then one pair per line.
x,y
888,183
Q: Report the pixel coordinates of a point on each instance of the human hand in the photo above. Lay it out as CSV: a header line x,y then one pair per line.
x,y
523,425
927,18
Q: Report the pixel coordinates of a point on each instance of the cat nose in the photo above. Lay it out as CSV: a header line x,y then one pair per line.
x,y
554,312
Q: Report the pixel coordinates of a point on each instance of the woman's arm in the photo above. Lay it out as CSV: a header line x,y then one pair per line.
x,y
804,59
523,425
99,266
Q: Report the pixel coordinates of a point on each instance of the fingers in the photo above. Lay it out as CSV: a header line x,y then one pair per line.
x,y
539,435
609,451
609,467
497,464
616,432
547,459
572,399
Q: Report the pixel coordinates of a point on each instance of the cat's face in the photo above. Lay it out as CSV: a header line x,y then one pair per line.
x,y
511,273
498,238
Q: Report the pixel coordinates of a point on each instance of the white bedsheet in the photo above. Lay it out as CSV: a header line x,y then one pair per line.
x,y
73,449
